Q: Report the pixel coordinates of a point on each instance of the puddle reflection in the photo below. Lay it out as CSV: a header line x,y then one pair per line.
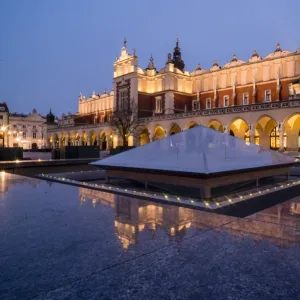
x,y
132,216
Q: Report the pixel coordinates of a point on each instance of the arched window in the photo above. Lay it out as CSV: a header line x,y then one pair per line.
x,y
247,136
274,138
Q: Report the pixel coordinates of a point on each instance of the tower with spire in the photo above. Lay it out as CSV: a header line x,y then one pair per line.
x,y
177,61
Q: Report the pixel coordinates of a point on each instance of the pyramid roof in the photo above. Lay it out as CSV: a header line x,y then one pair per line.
x,y
199,150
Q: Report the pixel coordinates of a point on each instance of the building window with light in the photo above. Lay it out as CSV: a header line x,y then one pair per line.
x,y
245,99
195,105
123,99
15,135
24,135
226,101
158,105
268,96
208,103
34,135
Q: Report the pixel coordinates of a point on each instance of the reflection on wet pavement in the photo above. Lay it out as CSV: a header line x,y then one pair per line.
x,y
60,241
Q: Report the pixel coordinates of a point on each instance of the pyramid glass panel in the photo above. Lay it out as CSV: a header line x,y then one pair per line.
x,y
197,150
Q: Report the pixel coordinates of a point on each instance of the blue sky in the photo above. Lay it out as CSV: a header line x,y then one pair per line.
x,y
54,49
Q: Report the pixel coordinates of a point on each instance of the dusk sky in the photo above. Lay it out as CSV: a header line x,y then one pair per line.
x,y
51,50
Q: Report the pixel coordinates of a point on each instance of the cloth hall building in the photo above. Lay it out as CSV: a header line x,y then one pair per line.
x,y
256,100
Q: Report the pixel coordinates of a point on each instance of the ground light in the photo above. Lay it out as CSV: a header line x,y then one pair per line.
x,y
211,204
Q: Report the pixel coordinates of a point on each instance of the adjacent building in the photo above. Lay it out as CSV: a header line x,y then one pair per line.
x,y
28,131
257,100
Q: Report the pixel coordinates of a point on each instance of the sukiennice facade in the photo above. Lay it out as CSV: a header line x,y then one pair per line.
x,y
257,100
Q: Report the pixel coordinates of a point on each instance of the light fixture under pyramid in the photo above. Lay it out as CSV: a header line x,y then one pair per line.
x,y
198,157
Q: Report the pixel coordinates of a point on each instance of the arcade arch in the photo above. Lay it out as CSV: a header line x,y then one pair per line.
x,y
238,127
102,140
175,128
144,137
267,132
191,124
93,138
216,125
292,130
159,133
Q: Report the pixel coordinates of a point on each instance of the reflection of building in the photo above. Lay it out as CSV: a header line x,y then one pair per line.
x,y
133,216
9,181
257,100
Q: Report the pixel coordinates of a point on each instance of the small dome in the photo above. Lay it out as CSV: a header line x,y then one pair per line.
x,y
34,111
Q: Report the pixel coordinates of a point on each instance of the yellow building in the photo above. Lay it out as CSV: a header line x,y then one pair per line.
x,y
257,100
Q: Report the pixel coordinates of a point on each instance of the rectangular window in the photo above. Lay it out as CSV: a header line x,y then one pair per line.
x,y
34,126
123,99
14,135
208,103
158,106
24,126
226,101
245,99
268,96
196,105
102,118
24,135
34,135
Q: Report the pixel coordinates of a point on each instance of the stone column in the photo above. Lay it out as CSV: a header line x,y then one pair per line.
x,y
281,136
80,140
252,134
254,92
108,142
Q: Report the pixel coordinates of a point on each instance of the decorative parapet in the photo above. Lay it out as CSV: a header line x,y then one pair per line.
x,y
69,127
203,113
226,110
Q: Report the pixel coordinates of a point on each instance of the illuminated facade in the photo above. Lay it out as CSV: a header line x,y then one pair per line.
x,y
27,131
256,100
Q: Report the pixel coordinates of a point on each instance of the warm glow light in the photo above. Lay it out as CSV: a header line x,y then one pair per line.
x,y
2,172
17,161
3,128
17,139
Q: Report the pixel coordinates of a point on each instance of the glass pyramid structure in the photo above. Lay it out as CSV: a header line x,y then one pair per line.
x,y
197,150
